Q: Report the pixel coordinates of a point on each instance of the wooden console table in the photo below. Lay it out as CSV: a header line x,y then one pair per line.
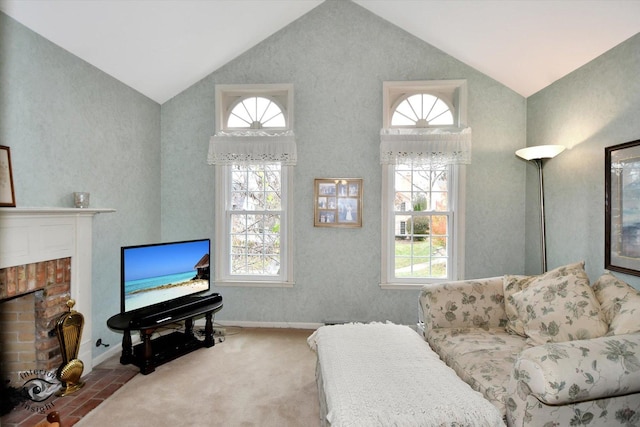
x,y
154,352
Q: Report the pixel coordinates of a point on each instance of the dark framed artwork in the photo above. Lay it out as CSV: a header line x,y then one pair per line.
x,y
7,194
337,202
622,208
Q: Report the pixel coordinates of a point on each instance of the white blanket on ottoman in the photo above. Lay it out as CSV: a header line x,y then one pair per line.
x,y
387,375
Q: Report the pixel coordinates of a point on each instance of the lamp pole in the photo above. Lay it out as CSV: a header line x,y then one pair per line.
x,y
537,155
543,228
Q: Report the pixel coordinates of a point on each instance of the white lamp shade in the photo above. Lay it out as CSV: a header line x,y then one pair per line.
x,y
540,152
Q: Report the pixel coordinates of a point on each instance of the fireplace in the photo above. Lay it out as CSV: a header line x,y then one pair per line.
x,y
32,298
45,259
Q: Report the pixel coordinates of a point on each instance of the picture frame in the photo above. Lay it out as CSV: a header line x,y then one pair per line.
x,y
622,208
7,193
337,202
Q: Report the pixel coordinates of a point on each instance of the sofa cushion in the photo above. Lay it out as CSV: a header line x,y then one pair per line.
x,y
620,304
516,283
558,309
577,383
482,358
463,304
513,284
592,369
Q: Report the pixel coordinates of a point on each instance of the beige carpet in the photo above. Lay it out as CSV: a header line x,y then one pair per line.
x,y
256,377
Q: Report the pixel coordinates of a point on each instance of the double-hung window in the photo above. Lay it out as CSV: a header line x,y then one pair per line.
x,y
253,151
424,142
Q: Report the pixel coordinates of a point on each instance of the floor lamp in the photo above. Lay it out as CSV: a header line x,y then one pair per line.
x,y
537,155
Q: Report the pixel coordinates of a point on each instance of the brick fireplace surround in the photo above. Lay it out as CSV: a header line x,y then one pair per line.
x,y
45,259
32,298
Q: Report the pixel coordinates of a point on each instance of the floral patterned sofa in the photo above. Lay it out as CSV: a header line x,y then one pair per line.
x,y
547,350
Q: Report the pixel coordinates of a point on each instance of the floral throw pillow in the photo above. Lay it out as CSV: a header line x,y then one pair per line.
x,y
511,285
620,304
515,283
558,309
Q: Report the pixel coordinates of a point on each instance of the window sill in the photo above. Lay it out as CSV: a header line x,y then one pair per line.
x,y
255,284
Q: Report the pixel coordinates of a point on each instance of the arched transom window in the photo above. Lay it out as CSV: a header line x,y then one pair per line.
x,y
246,108
256,112
421,110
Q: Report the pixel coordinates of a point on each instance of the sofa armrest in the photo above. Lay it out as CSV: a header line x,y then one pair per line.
x,y
574,371
464,304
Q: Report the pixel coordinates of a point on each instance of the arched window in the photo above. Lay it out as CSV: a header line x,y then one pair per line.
x,y
421,110
254,152
422,145
256,112
246,108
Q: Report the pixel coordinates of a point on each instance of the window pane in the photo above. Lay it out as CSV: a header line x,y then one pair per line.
x,y
402,201
401,120
238,224
422,110
440,114
421,180
405,112
272,117
255,244
420,201
401,229
250,106
439,226
256,112
256,187
415,103
420,236
255,219
420,257
238,122
420,189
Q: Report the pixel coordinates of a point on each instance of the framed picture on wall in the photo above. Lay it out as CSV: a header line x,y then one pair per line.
x,y
622,208
337,202
7,195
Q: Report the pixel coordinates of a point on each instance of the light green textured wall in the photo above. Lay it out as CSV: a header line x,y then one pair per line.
x,y
594,107
72,127
337,57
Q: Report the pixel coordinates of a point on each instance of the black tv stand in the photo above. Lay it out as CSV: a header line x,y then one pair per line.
x,y
154,352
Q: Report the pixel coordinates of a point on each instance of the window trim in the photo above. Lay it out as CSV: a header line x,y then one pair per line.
x,y
454,93
222,276
227,96
457,240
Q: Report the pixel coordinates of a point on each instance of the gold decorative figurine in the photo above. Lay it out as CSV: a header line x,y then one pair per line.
x,y
69,331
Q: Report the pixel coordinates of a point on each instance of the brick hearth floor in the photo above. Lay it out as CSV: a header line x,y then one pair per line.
x,y
100,383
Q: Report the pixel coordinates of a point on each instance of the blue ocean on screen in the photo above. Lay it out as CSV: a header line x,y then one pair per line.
x,y
155,282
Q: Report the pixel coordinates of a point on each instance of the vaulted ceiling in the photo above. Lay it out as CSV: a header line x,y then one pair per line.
x,y
161,47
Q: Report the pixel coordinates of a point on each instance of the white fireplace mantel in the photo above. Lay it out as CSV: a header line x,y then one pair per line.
x,y
30,235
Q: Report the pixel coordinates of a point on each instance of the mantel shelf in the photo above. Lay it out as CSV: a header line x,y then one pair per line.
x,y
53,211
36,234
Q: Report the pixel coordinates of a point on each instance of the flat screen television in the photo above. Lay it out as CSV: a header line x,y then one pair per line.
x,y
161,273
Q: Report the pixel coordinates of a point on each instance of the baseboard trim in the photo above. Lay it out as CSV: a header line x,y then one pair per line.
x,y
114,350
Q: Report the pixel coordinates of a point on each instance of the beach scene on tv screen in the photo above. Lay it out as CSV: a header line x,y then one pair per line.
x,y
159,273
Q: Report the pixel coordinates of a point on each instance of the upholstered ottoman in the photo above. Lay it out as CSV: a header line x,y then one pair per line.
x,y
387,375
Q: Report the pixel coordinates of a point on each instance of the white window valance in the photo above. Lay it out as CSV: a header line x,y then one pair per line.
x,y
255,146
426,145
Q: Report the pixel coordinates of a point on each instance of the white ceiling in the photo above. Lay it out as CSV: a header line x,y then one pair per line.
x,y
161,47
